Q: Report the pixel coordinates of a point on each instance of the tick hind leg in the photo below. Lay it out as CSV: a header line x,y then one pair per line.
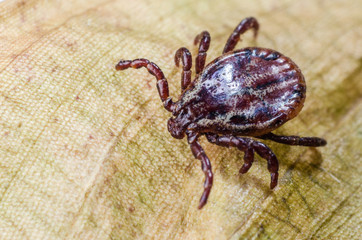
x,y
185,55
204,40
244,25
295,140
162,84
249,147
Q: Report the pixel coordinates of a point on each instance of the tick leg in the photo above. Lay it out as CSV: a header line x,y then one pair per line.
x,y
248,160
205,165
204,40
273,166
243,26
295,140
249,146
162,84
185,54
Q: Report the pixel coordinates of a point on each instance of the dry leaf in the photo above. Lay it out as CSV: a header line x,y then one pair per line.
x,y
85,152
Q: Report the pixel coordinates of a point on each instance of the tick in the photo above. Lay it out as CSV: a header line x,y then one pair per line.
x,y
239,97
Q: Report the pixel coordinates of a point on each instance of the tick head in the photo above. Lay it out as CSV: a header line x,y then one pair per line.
x,y
175,129
177,125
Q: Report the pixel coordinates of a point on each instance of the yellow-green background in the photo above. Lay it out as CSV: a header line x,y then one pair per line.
x,y
85,152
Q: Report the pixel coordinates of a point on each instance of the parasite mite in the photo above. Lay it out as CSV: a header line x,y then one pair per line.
x,y
241,94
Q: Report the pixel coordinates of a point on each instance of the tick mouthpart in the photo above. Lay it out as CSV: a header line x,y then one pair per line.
x,y
175,130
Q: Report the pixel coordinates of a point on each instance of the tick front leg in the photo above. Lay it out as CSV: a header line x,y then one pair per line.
x,y
162,84
205,165
244,25
204,40
249,146
185,55
295,140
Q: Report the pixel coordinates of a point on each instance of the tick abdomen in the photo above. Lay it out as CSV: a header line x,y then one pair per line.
x,y
251,91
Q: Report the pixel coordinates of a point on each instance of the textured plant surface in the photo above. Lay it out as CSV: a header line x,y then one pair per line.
x,y
85,152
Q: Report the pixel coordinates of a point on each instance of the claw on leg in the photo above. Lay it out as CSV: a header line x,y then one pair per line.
x,y
274,180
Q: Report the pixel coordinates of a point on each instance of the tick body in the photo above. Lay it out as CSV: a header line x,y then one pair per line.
x,y
247,92
236,99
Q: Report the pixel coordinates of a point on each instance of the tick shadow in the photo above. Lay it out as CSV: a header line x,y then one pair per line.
x,y
308,163
315,156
